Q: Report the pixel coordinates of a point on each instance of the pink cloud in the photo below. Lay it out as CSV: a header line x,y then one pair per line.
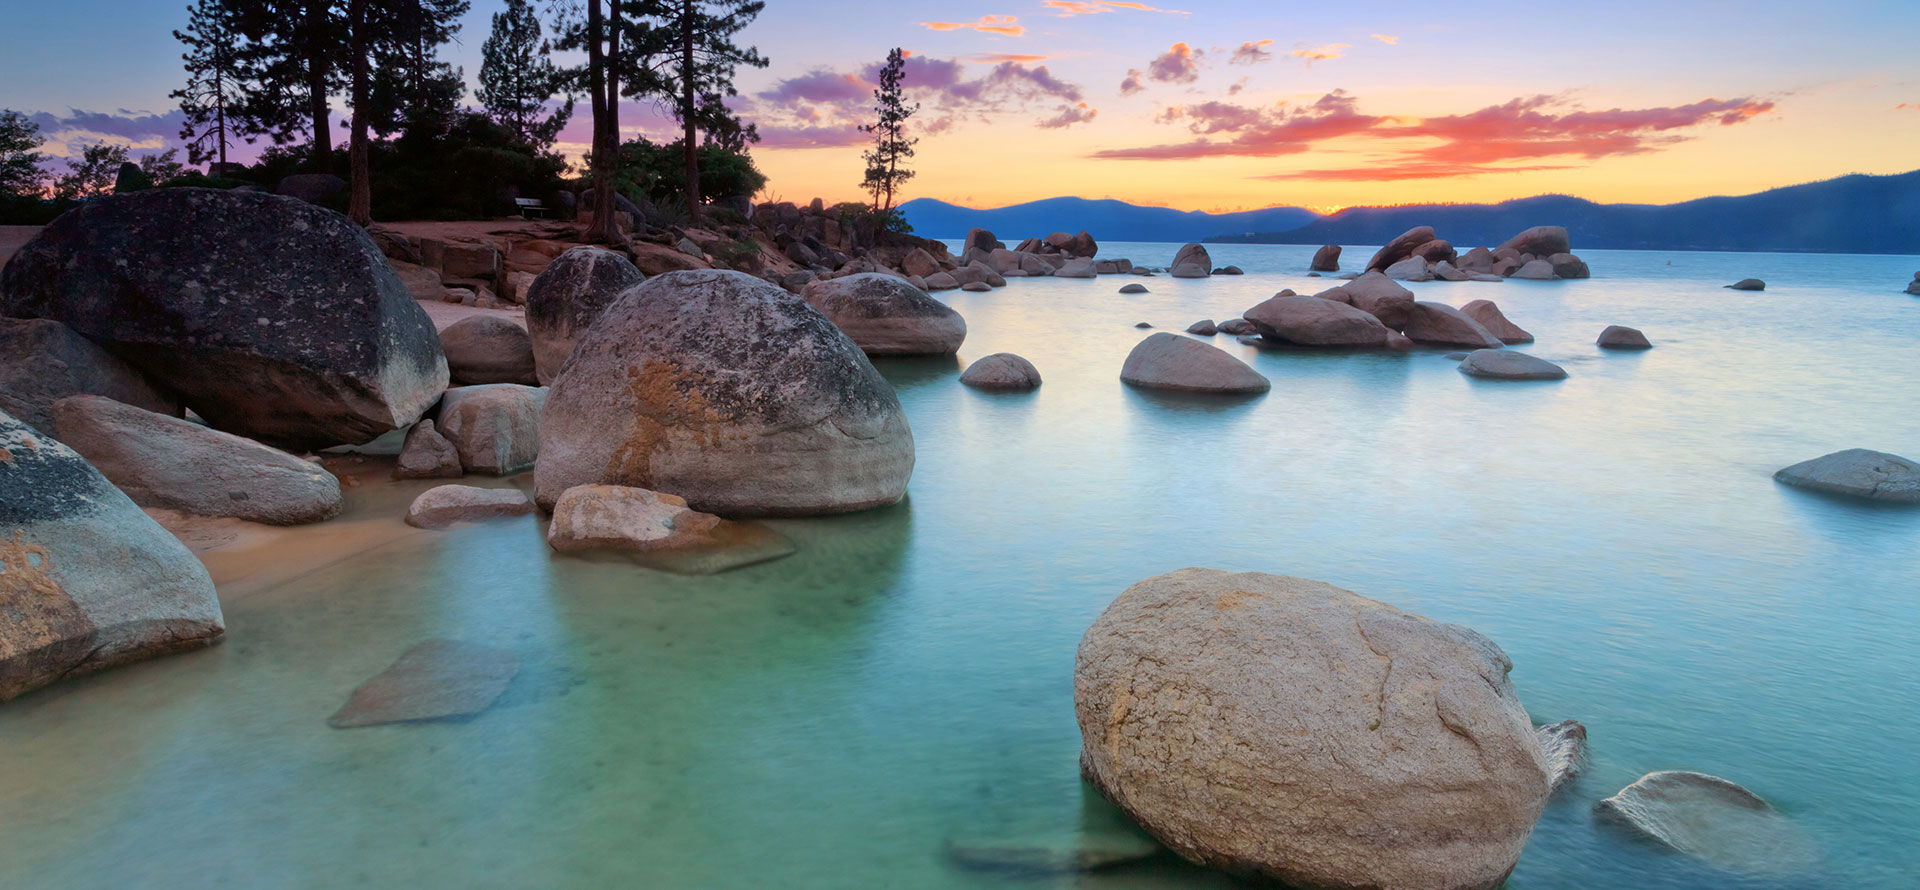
x,y
1257,133
988,24
1070,8
1179,64
820,85
1078,113
1132,83
1252,52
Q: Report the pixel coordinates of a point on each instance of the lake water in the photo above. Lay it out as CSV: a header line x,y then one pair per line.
x,y
838,718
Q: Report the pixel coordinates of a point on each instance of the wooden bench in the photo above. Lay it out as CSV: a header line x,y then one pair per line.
x,y
530,208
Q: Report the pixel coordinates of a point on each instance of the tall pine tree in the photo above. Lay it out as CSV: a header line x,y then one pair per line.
x,y
517,78
215,101
891,147
699,75
413,90
620,42
296,54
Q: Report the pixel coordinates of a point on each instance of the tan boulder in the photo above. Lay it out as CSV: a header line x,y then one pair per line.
x,y
1381,297
1490,317
1313,321
1170,361
495,427
1399,248
886,315
1326,259
1438,324
658,530
443,506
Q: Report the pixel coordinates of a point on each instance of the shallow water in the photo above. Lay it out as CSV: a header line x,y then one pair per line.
x,y
837,718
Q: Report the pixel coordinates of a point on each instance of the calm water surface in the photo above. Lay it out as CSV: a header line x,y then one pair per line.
x,y
837,718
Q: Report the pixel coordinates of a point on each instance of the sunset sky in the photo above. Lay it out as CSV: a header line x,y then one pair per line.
x,y
1211,106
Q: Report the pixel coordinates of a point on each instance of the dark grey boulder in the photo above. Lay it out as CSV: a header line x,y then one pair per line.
x,y
1622,337
567,296
42,362
887,315
271,318
1133,288
1540,241
1326,259
1001,370
488,349
1501,364
1204,327
1859,473
1748,284
729,392
87,580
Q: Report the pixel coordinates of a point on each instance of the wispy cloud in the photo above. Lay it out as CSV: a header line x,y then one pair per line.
x,y
1077,113
1319,53
996,58
1253,52
1387,39
988,24
1070,8
815,109
1256,133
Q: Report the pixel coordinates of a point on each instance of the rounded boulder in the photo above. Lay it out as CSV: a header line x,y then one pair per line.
x,y
566,297
887,315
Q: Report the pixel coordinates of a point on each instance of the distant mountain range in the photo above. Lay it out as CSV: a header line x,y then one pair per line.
x,y
1851,214
1105,219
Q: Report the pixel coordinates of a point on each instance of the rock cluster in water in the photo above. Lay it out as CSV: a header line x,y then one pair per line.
x,y
1540,253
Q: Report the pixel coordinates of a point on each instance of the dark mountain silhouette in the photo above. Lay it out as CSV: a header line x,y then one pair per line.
x,y
1105,219
1851,214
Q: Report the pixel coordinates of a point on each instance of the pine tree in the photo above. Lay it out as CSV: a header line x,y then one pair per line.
x,y
92,174
890,144
700,75
215,100
20,157
413,90
620,44
295,55
517,78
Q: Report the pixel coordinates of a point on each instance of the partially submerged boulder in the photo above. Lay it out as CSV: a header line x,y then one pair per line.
x,y
488,349
1284,727
1076,268
1312,321
1503,364
567,296
433,680
658,530
1399,248
1859,473
1488,314
888,316
1378,296
42,362
1326,259
1204,328
1191,261
1622,337
272,318
495,428
1748,284
1442,325
1237,326
1541,241
444,506
87,580
1001,370
1564,745
163,461
731,393
1170,361
1135,288
1713,820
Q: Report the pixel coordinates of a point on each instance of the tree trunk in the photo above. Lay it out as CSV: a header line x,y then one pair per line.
x,y
317,93
603,82
220,114
689,152
360,203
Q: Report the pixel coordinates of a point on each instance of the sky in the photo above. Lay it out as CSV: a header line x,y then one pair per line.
x,y
1205,106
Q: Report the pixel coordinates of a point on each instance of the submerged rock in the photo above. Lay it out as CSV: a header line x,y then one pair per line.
x,y
1621,337
447,505
1502,364
1274,725
658,530
42,362
494,428
162,461
87,580
1859,473
1565,746
1748,284
434,680
567,296
1713,820
1170,361
731,393
1001,370
425,454
1078,855
272,318
886,315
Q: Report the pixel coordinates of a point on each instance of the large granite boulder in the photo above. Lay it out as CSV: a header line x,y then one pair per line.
x,y
731,393
658,530
488,349
163,461
1399,248
1541,241
1284,727
920,263
1313,321
1191,261
495,428
42,362
981,239
1076,268
1713,820
1170,361
1566,265
567,296
1859,473
886,315
1438,324
1326,259
1412,268
1001,371
1488,314
1083,246
1436,251
1502,364
87,580
272,318
1381,297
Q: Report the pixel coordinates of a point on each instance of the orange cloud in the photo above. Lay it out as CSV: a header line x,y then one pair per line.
x,y
988,24
1320,53
1387,39
996,58
1070,8
1257,133
1078,113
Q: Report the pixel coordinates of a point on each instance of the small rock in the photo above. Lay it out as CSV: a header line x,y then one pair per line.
x,y
1748,284
1001,370
1142,324
976,287
1133,289
1204,327
1860,473
1620,337
1238,327
1565,745
447,505
427,455
1713,820
488,349
433,680
658,530
1229,270
1502,364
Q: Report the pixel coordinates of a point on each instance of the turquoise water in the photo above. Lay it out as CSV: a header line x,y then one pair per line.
x,y
837,718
